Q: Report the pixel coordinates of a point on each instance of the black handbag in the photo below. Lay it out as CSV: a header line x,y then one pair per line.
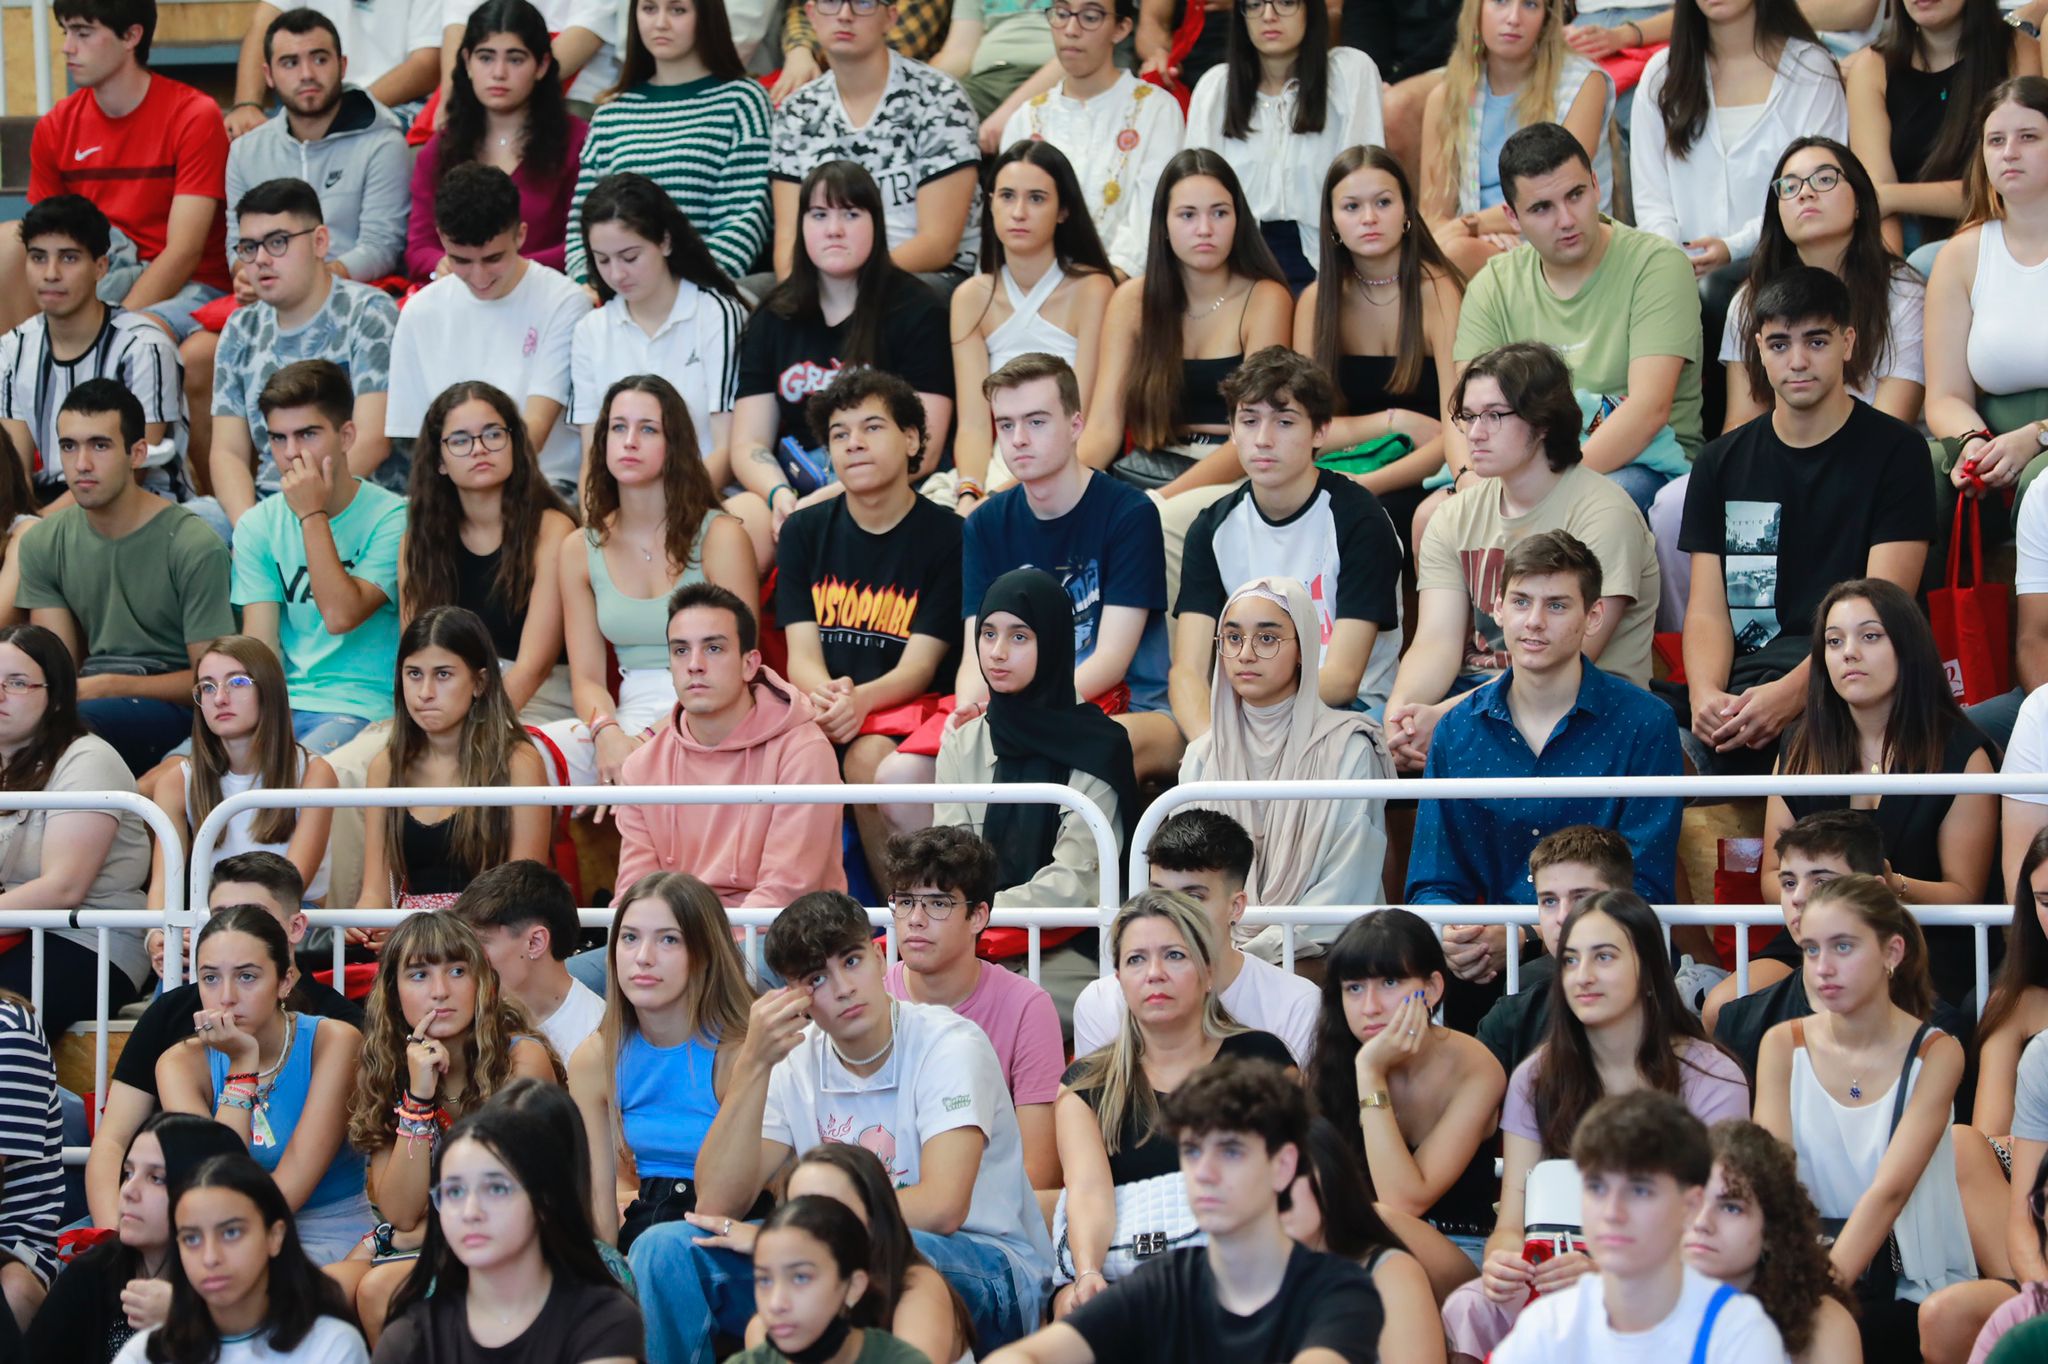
x,y
1150,470
662,1199
1879,1282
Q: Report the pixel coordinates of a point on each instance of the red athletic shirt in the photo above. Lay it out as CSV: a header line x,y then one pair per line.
x,y
173,143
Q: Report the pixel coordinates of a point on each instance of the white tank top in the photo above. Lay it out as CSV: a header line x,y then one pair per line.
x,y
240,836
2007,302
1024,331
1839,1149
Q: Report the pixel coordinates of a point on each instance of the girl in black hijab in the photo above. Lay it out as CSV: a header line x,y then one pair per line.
x,y
1036,730
118,1287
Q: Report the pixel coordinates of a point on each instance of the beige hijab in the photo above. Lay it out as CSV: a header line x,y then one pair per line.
x,y
1298,740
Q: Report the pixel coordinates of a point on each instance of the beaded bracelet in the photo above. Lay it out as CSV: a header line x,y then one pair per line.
x,y
248,1075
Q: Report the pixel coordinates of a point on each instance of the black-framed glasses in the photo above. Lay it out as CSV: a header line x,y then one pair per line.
x,y
858,6
462,444
274,245
1286,9
494,1190
1263,643
1479,423
1823,179
206,691
937,908
18,685
1090,18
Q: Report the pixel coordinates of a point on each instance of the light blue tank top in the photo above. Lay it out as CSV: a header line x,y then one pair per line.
x,y
637,627
274,1123
1496,121
666,1103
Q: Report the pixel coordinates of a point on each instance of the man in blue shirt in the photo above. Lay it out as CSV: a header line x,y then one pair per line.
x,y
1551,714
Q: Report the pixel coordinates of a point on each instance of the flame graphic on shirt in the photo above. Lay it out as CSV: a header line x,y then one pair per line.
x,y
855,606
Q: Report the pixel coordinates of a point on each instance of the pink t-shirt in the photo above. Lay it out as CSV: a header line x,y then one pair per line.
x,y
1020,1021
1711,1083
2010,1313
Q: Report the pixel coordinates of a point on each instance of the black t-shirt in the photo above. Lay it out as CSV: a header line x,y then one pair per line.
x,y
795,357
1168,1311
81,1321
1340,543
168,1021
1517,1025
580,1322
868,594
1743,1022
1789,524
1141,1157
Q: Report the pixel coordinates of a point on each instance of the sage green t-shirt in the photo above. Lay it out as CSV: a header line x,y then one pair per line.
x,y
1642,300
141,598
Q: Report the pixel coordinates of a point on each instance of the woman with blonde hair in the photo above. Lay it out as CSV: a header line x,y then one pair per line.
x,y
1509,67
650,1078
242,741
1115,1156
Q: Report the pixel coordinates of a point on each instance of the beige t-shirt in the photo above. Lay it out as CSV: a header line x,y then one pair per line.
x,y
1467,542
89,764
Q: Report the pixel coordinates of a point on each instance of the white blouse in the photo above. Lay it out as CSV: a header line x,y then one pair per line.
x,y
1282,170
1719,188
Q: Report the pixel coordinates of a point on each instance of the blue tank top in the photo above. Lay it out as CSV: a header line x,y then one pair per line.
x,y
1496,121
272,1125
666,1103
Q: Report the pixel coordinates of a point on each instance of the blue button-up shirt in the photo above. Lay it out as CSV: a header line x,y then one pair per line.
x,y
1476,852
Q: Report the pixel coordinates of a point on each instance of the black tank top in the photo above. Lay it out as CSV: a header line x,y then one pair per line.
x,y
1364,380
1917,102
476,590
1201,391
429,851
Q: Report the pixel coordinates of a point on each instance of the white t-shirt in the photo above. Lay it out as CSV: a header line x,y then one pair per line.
x,y
2031,534
378,35
520,342
2027,753
331,1341
697,349
1263,997
576,1018
1904,352
1572,1324
942,1074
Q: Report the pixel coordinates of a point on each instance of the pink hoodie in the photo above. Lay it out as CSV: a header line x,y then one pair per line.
x,y
751,855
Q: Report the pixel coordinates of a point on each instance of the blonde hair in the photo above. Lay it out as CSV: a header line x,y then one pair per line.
x,y
1118,1070
1464,72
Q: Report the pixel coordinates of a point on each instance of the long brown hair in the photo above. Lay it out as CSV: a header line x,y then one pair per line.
x,y
1984,46
1242,61
433,531
712,45
686,489
843,184
430,939
1152,401
1872,901
479,836
61,727
716,995
1685,102
277,754
17,498
1924,713
1567,1081
891,1251
1792,1277
2026,947
1421,261
1984,200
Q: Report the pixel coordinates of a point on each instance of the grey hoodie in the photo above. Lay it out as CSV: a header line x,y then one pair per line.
x,y
361,170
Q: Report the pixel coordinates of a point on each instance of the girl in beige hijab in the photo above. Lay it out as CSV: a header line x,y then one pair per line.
x,y
1268,724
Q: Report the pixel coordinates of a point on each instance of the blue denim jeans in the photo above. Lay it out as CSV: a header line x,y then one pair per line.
x,y
324,731
141,730
689,1294
1640,482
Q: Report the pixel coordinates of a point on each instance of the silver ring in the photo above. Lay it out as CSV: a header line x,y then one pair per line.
x,y
206,1027
1411,1032
728,1227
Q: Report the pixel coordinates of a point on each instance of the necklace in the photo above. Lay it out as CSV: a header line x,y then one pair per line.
x,y
851,1061
1198,316
1366,286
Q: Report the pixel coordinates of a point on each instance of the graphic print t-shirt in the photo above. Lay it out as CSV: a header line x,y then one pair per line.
x,y
796,357
1790,523
868,594
1107,551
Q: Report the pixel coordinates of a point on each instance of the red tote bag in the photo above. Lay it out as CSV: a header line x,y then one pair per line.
x,y
1972,625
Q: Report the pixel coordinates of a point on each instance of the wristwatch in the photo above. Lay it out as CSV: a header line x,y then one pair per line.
x,y
2032,30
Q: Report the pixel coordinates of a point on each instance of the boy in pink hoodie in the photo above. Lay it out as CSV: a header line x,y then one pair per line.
x,y
736,723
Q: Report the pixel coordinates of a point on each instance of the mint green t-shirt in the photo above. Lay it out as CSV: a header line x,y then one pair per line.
x,y
1642,300
140,599
345,674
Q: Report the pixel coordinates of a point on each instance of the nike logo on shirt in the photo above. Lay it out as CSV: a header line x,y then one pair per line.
x,y
81,155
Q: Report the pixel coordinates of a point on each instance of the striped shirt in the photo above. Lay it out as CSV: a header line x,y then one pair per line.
x,y
34,381
705,142
31,1143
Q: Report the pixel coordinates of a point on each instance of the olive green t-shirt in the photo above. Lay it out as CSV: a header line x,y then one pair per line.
x,y
1642,300
876,1347
141,598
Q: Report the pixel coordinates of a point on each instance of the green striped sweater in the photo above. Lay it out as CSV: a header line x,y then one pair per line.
x,y
706,143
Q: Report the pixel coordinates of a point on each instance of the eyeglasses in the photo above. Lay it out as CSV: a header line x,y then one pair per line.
x,y
937,908
1286,9
1479,423
1823,179
1089,19
206,691
1264,644
18,685
274,245
857,6
462,444
451,1194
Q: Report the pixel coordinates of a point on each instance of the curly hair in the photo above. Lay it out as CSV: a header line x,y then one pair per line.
x,y
1792,1275
497,1023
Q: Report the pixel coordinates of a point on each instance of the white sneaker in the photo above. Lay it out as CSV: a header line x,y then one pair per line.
x,y
1695,979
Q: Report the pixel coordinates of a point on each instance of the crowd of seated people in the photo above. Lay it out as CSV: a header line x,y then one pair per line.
x,y
933,395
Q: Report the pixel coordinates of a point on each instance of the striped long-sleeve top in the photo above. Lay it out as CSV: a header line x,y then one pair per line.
x,y
706,143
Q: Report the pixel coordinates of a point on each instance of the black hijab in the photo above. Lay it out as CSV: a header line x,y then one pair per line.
x,y
1043,733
